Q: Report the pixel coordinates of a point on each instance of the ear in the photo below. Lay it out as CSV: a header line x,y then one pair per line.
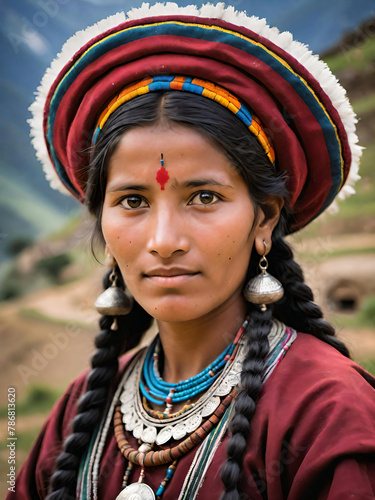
x,y
109,259
267,220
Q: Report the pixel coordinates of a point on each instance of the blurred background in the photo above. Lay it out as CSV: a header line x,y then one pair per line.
x,y
48,277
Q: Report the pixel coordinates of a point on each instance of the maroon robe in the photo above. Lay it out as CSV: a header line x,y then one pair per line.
x,y
312,437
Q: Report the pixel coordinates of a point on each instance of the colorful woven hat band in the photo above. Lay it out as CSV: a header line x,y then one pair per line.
x,y
283,93
196,86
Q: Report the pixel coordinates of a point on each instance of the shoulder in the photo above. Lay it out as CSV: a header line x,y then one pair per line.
x,y
313,364
33,478
67,406
79,384
315,411
321,394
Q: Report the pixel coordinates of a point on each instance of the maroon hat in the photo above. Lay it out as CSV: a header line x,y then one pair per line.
x,y
281,85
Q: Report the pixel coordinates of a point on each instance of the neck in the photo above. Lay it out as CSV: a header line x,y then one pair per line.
x,y
190,346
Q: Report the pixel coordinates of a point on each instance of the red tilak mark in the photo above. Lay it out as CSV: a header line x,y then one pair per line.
x,y
162,177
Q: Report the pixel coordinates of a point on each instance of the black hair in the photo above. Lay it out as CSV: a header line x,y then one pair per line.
x,y
296,309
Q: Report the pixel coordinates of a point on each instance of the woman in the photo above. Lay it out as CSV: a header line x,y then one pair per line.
x,y
198,140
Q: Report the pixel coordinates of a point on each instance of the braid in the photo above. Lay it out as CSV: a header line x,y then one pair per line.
x,y
297,308
245,403
110,345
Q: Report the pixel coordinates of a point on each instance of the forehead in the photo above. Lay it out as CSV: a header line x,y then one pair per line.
x,y
173,139
185,152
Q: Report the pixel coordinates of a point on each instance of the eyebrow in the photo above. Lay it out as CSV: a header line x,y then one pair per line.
x,y
201,182
127,187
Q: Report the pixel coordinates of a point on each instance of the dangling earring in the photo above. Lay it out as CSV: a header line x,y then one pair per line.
x,y
264,288
114,301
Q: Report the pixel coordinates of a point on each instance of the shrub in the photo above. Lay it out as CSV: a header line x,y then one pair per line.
x,y
53,266
18,244
367,312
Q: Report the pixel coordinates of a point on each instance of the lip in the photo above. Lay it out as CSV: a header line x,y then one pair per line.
x,y
169,277
169,272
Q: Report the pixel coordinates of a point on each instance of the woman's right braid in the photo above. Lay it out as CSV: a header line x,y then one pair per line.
x,y
245,403
297,308
110,345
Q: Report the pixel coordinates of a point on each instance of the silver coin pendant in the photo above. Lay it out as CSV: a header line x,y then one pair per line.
x,y
193,422
223,389
137,431
136,491
179,431
149,434
210,406
164,435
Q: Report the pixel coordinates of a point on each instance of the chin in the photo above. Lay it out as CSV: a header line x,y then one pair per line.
x,y
177,309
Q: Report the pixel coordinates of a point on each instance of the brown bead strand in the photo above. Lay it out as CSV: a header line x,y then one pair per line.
x,y
161,457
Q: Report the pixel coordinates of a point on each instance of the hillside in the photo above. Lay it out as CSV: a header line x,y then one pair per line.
x,y
353,62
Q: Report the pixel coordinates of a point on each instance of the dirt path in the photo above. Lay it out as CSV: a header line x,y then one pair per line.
x,y
52,348
73,301
333,243
361,342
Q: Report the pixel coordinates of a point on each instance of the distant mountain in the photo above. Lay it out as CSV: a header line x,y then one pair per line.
x,y
32,32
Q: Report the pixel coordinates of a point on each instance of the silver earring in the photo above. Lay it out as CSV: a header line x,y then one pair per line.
x,y
264,288
114,301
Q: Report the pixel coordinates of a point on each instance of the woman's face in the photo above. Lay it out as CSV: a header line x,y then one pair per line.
x,y
183,244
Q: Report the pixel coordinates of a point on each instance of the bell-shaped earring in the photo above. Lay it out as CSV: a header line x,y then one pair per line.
x,y
114,301
264,288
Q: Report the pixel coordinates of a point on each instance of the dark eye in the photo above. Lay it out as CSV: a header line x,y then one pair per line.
x,y
204,198
133,201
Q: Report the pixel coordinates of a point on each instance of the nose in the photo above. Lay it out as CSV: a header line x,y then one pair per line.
x,y
168,233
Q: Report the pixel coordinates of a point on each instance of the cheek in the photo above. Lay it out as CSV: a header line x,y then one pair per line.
x,y
118,237
230,252
239,248
235,236
110,230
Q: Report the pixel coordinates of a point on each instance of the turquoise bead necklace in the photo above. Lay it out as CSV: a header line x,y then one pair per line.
x,y
159,392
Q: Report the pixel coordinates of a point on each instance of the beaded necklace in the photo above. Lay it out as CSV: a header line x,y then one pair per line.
x,y
155,390
160,427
